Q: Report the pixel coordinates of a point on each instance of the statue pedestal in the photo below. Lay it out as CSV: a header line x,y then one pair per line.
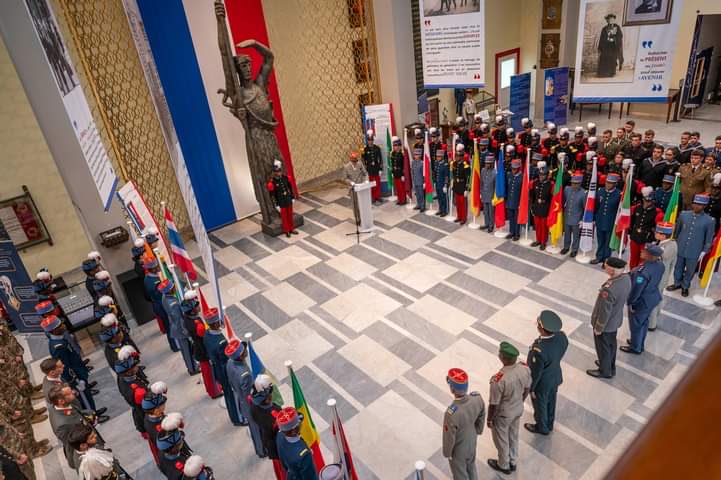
x,y
275,228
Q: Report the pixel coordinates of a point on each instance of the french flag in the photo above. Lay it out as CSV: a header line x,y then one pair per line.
x,y
180,255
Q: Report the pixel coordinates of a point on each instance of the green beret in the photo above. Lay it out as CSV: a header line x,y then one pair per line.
x,y
550,321
509,350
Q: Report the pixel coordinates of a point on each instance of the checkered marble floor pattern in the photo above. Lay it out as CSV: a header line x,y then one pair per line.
x,y
376,325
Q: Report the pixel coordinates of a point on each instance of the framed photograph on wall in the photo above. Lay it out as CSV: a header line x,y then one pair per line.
x,y
550,46
23,222
647,12
551,14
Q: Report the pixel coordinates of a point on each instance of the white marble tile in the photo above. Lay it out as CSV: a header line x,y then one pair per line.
x,y
293,341
299,206
354,267
657,397
517,320
420,271
385,436
360,306
441,314
498,277
392,214
479,363
287,262
234,288
338,211
662,344
231,258
605,461
596,395
404,238
576,280
373,359
288,298
294,238
331,194
471,243
337,237
234,232
191,246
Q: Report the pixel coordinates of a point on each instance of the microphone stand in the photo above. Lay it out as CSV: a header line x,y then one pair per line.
x,y
356,216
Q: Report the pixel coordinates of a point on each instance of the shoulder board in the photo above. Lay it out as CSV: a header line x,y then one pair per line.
x,y
497,377
523,363
536,349
452,409
245,374
303,452
474,394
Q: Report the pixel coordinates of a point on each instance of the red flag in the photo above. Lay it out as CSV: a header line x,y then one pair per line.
x,y
523,207
343,455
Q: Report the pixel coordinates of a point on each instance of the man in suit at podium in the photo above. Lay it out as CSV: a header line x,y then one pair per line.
x,y
355,172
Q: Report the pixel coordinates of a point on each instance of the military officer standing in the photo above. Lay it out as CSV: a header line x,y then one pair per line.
x,y
262,411
441,177
664,230
373,161
114,338
434,145
552,139
195,325
574,204
544,360
295,455
509,389
644,297
241,381
662,195
464,135
488,188
607,316
514,184
540,199
417,172
462,423
150,284
398,170
460,172
281,191
607,201
643,224
90,268
694,234
132,384
177,325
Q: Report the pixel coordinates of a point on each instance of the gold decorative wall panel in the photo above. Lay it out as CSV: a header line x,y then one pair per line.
x,y
120,100
326,67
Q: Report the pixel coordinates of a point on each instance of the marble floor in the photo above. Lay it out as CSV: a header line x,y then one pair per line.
x,y
376,324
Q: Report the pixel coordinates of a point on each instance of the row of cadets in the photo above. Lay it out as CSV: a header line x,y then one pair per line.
x,y
195,325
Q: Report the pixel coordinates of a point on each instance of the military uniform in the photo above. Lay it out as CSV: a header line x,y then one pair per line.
x,y
178,332
127,385
694,234
637,154
460,172
215,344
644,297
662,197
263,415
694,180
196,328
540,199
295,456
607,317
441,177
281,191
488,188
514,185
398,169
574,204
714,210
240,380
417,176
150,283
605,217
670,252
641,230
373,161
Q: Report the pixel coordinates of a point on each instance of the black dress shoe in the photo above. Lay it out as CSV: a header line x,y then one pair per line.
x,y
92,384
416,208
717,303
684,292
512,467
597,374
495,466
102,418
595,261
543,246
509,236
533,428
564,251
598,364
438,213
671,288
287,234
94,391
100,411
652,329
443,215
535,244
86,361
294,232
628,349
193,372
573,254
516,238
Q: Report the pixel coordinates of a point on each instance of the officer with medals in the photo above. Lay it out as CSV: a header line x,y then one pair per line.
x,y
434,145
398,170
441,177
644,297
373,161
544,360
460,172
607,201
552,139
643,225
514,185
488,188
540,199
562,147
462,423
498,133
295,456
281,191
509,389
417,172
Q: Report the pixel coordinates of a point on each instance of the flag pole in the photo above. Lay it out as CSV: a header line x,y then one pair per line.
x,y
430,211
389,148
451,198
704,300
340,453
526,242
503,231
474,225
131,229
407,148
420,468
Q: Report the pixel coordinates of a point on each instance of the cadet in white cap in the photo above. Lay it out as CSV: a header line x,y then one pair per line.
x,y
644,217
373,161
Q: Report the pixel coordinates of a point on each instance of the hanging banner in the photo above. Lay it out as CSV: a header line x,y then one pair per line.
x,y
520,95
16,289
76,105
555,95
379,119
452,39
625,50
691,69
139,213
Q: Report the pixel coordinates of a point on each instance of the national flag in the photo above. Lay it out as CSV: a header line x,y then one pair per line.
x,y
180,255
523,205
407,165
307,428
555,215
257,367
499,196
342,454
389,169
586,243
711,260
623,215
476,181
428,183
672,207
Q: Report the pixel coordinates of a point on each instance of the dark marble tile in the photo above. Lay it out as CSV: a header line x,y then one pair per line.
x,y
441,462
369,256
388,247
437,222
461,301
274,243
344,201
108,394
519,268
248,277
310,287
629,423
311,228
322,218
584,422
560,296
242,323
390,292
429,388
533,256
149,471
332,276
445,252
262,273
429,410
317,393
399,286
37,344
558,307
481,288
351,378
563,450
420,230
485,344
322,246
220,270
251,249
313,250
421,328
690,311
677,328
411,353
330,320
312,199
215,239
273,316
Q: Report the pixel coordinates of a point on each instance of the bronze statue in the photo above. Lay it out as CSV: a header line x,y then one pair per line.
x,y
247,99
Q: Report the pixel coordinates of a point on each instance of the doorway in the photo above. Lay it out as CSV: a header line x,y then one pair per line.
x,y
507,64
702,88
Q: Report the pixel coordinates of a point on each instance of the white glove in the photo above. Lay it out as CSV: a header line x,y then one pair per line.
x,y
700,257
277,208
445,189
465,193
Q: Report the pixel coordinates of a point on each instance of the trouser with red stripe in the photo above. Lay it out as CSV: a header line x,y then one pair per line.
x,y
286,218
278,470
161,327
461,212
375,191
635,258
213,388
539,223
154,451
400,190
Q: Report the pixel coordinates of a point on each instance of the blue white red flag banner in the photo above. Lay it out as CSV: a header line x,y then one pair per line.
x,y
17,295
586,243
625,50
452,39
378,118
180,255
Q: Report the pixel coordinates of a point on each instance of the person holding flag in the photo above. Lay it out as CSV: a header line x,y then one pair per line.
x,y
475,195
643,225
194,324
604,216
397,166
263,411
499,194
417,171
177,248
662,195
427,173
623,215
586,242
488,190
241,381
441,177
178,332
306,427
555,216
460,171
514,188
150,284
574,203
541,193
373,161
292,449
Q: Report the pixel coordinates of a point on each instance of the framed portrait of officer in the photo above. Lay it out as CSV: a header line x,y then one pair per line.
x,y
647,12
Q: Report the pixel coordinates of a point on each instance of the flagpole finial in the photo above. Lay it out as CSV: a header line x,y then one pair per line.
x,y
331,402
196,285
248,336
162,203
288,363
420,465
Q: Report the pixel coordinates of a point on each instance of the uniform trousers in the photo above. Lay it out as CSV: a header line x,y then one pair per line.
x,y
420,193
505,438
212,387
653,318
461,212
606,344
638,324
635,258
186,349
541,227
400,190
160,313
84,396
603,249
572,236
442,200
375,191
514,228
286,219
683,273
488,215
463,468
544,408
